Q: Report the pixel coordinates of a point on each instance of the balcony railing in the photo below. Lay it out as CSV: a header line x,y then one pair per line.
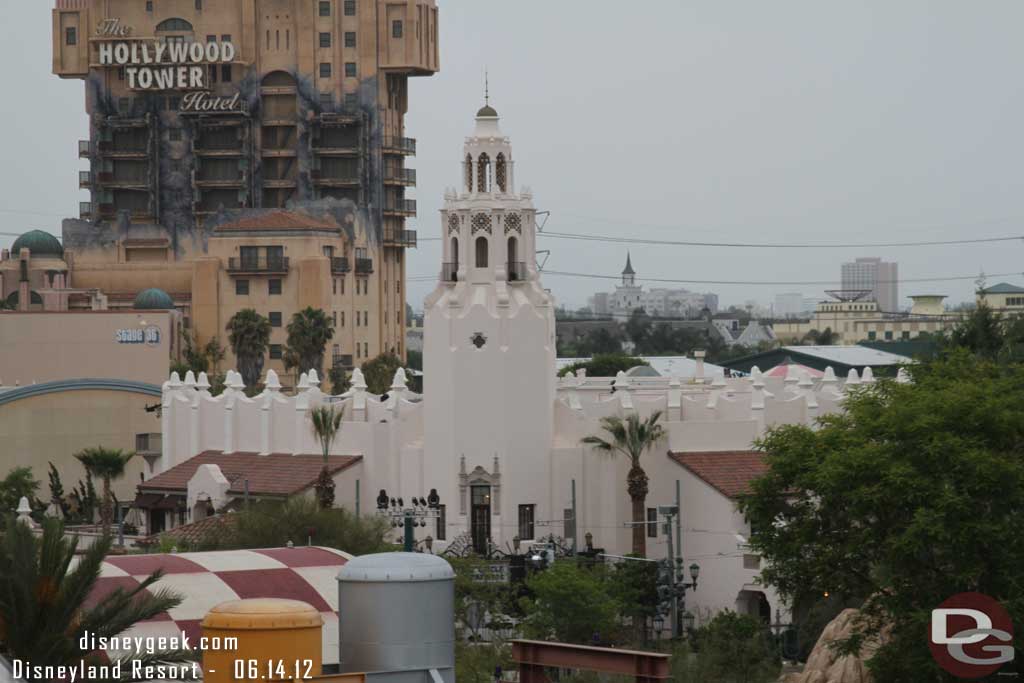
x,y
404,176
84,178
364,266
516,271
402,238
401,207
340,264
400,145
449,272
342,360
262,264
85,210
84,149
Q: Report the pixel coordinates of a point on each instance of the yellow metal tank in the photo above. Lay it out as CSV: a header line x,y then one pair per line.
x,y
276,640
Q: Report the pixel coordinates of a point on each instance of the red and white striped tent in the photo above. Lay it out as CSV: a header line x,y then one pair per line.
x,y
790,369
206,579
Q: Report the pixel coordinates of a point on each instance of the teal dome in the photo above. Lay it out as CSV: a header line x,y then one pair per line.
x,y
487,111
153,299
38,242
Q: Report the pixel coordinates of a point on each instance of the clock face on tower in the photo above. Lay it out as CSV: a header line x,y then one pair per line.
x,y
478,339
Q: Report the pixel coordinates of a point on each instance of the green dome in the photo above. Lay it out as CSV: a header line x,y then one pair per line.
x,y
153,299
39,243
487,111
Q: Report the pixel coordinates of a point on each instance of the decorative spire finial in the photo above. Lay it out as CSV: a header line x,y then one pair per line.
x,y
487,89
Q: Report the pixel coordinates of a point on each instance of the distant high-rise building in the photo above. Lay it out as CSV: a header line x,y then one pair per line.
x,y
874,275
789,305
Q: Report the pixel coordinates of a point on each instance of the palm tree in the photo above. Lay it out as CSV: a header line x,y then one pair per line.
x,y
308,333
43,612
249,336
632,437
326,425
105,464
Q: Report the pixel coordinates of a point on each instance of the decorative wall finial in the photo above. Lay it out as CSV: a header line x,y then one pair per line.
x,y
487,89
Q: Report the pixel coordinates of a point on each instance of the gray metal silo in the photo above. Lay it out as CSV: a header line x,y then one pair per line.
x,y
397,614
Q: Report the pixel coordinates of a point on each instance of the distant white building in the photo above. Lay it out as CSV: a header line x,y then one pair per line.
x,y
659,302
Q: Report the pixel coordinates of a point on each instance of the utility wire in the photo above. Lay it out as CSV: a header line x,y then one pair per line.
x,y
951,278
774,245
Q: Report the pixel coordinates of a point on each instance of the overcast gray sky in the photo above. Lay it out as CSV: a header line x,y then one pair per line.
x,y
793,121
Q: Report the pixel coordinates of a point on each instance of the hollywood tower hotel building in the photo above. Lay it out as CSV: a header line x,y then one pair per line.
x,y
249,154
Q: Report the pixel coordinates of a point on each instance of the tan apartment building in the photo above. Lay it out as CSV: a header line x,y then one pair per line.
x,y
1003,297
248,153
855,318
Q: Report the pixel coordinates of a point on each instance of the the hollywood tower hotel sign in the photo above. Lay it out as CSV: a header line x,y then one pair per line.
x,y
169,64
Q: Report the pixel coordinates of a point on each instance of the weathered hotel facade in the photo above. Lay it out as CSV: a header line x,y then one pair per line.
x,y
249,153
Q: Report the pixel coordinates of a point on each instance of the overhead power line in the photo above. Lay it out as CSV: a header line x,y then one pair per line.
x,y
774,245
946,278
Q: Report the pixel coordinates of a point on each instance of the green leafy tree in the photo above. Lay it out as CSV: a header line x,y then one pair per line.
x,y
326,421
43,611
340,380
915,492
480,603
192,355
301,520
634,587
737,648
85,500
476,662
214,353
824,337
380,372
604,365
631,437
308,333
570,604
106,464
638,326
249,336
57,490
988,334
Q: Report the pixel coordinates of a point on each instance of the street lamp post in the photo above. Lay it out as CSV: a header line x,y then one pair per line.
x,y
410,516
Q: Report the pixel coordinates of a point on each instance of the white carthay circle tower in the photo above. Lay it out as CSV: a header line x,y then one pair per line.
x,y
489,351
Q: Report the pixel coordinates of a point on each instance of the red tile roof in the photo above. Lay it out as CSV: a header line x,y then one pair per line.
x,y
277,474
728,472
193,532
279,220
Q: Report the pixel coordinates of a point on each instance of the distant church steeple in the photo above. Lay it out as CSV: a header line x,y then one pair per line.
x,y
628,274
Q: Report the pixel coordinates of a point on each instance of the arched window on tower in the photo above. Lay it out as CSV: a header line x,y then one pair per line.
x,y
515,270
469,173
455,256
500,172
174,24
481,252
483,173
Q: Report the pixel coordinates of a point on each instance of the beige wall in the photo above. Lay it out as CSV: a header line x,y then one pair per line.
x,y
46,346
172,277
1003,302
52,427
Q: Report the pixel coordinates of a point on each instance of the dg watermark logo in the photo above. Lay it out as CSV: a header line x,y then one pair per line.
x,y
971,635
